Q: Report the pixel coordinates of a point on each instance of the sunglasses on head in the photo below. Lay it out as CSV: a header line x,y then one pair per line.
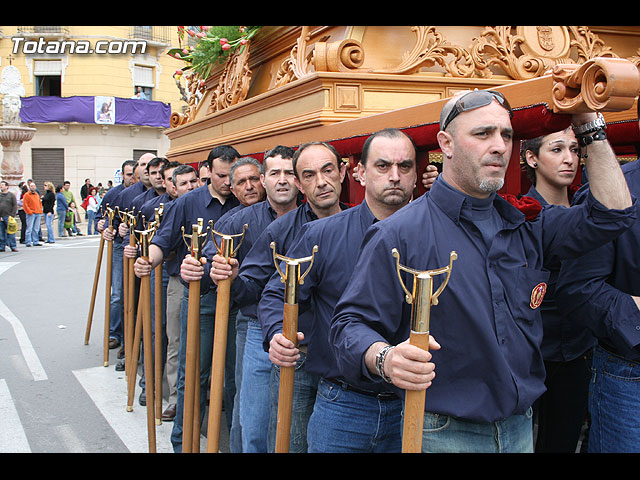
x,y
473,100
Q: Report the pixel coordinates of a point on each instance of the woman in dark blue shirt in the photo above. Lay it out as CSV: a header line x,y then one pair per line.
x,y
551,162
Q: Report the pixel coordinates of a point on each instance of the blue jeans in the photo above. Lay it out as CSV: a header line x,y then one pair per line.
x,y
207,317
31,235
235,434
614,398
345,421
304,397
91,218
116,321
61,215
444,434
48,220
6,238
255,392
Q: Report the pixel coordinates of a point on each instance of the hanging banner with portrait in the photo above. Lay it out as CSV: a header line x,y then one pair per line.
x,y
105,110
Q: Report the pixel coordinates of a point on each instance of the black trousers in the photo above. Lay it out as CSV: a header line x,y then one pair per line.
x,y
562,409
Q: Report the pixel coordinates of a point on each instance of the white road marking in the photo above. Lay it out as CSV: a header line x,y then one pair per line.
x,y
28,352
108,390
68,436
12,436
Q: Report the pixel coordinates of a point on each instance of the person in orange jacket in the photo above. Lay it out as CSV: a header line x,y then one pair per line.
x,y
32,205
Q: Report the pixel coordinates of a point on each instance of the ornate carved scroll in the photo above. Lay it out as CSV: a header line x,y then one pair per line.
x,y
534,50
519,55
338,56
600,84
430,49
297,63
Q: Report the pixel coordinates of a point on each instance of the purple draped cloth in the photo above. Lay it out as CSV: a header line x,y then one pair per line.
x,y
127,111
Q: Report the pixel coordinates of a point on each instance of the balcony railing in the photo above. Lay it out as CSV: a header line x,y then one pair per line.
x,y
44,30
157,34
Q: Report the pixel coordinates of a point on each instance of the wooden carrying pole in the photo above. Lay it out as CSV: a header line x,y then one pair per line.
x,y
420,298
132,367
145,237
158,328
94,291
129,283
133,326
192,363
110,213
291,277
225,249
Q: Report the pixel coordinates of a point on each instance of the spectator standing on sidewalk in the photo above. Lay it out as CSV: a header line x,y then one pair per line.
x,y
91,207
61,208
32,206
8,208
48,201
71,202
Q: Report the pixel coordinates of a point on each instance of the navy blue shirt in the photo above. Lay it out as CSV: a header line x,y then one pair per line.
x,y
184,212
136,206
109,199
148,209
123,202
338,238
595,289
258,267
256,217
490,365
563,339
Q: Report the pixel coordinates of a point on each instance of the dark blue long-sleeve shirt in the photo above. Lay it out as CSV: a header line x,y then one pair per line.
x,y
136,206
563,340
258,266
595,290
490,365
256,217
184,212
123,201
338,238
109,199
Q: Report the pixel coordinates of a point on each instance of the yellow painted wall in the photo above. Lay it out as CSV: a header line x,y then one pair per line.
x,y
101,74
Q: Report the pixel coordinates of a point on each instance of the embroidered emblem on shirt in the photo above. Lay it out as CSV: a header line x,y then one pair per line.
x,y
537,294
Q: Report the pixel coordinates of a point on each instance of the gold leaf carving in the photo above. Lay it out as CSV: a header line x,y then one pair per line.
x,y
588,44
296,65
431,49
196,88
233,85
500,47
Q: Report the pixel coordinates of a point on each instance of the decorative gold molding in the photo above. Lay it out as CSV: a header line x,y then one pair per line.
x,y
514,53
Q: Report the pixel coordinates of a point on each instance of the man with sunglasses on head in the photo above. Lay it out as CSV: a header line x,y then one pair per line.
x,y
489,368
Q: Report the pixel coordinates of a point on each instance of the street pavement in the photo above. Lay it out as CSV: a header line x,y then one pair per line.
x,y
56,395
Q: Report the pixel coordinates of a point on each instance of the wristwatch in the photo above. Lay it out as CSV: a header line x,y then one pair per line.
x,y
591,132
593,126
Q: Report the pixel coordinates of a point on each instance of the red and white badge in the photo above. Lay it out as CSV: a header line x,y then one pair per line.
x,y
537,294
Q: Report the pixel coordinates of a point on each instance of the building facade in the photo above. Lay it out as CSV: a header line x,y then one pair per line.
x,y
66,71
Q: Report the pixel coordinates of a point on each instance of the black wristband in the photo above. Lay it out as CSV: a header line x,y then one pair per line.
x,y
588,139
